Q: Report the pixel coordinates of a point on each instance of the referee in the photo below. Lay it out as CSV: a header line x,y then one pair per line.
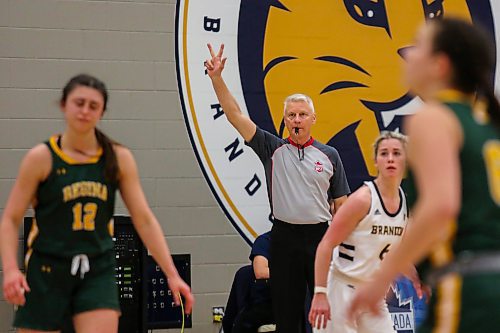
x,y
306,183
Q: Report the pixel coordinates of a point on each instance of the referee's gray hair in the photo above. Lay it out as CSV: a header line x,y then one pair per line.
x,y
298,98
384,135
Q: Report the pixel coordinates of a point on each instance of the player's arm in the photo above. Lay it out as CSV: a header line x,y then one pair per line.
x,y
436,139
411,273
343,223
434,154
34,168
261,267
242,123
147,225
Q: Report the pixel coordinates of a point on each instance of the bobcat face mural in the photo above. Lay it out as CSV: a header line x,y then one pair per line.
x,y
346,54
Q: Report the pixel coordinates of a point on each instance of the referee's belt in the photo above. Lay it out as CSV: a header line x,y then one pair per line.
x,y
467,263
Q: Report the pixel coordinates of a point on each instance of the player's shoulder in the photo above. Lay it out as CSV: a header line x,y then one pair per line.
x,y
362,194
39,155
37,161
361,198
121,151
432,121
431,113
124,157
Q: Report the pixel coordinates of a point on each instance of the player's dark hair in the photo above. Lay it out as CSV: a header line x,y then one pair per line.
x,y
111,163
471,55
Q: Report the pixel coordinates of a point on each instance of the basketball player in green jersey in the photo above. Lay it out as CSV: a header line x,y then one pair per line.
x,y
454,154
71,181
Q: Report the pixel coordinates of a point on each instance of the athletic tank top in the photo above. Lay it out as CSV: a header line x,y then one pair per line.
x,y
359,256
477,228
74,207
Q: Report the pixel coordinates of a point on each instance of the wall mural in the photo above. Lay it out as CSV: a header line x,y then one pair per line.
x,y
345,54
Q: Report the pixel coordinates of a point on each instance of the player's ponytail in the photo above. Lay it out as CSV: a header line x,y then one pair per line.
x,y
486,92
472,57
111,163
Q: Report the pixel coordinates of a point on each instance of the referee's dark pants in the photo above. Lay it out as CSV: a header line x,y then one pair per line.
x,y
293,248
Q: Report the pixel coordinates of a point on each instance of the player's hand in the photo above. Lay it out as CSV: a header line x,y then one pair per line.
x,y
413,276
320,311
427,292
367,298
14,286
179,287
215,65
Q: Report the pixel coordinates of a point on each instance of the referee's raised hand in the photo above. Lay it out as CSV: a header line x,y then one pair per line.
x,y
215,65
241,122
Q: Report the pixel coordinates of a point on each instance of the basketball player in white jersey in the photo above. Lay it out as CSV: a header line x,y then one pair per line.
x,y
372,220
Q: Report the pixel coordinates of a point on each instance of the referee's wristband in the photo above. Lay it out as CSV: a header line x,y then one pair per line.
x,y
320,290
